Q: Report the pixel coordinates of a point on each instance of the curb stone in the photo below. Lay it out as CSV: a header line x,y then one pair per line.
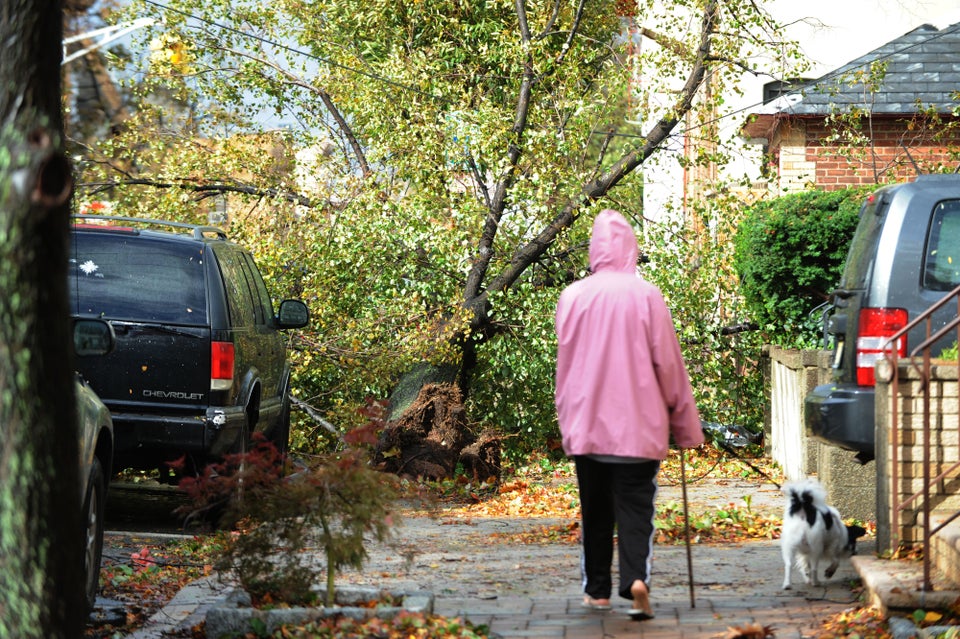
x,y
188,608
234,615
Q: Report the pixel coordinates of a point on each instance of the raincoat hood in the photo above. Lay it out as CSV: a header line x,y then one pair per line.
x,y
613,245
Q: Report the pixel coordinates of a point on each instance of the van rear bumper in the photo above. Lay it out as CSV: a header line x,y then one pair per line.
x,y
147,441
842,415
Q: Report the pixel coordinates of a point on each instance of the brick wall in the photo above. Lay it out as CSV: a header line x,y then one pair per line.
x,y
944,450
804,160
797,170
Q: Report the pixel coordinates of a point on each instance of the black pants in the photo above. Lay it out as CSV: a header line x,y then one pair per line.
x,y
617,495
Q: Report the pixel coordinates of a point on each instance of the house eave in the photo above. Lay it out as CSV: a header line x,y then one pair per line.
x,y
759,128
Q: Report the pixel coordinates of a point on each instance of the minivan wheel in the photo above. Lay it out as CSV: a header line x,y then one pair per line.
x,y
93,509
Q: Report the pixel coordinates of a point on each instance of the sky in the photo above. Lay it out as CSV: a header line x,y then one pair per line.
x,y
833,32
830,33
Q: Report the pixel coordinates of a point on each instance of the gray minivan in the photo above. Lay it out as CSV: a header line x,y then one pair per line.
x,y
904,257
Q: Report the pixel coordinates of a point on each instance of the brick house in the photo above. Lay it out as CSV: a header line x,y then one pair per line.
x,y
884,116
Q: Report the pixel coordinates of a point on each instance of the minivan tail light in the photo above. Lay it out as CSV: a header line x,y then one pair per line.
x,y
876,325
221,365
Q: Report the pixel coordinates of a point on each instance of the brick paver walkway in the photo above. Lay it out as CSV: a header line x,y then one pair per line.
x,y
734,585
480,569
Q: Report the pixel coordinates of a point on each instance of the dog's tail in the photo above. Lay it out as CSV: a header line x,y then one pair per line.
x,y
805,497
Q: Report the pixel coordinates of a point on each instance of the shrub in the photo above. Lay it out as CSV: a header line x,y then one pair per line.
x,y
331,504
789,254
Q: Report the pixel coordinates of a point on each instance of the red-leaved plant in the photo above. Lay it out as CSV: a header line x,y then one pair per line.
x,y
329,502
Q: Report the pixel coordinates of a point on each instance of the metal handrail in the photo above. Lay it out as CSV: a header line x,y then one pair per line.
x,y
921,351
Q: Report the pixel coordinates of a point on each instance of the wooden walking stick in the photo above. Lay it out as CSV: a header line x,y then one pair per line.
x,y
686,527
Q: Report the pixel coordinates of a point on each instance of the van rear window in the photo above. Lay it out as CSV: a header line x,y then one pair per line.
x,y
941,264
145,280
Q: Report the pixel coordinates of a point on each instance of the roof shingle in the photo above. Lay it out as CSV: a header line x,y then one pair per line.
x,y
922,67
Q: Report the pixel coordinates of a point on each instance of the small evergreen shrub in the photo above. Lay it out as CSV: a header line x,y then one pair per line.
x,y
789,255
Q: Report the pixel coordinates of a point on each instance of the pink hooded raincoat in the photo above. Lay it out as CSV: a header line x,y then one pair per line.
x,y
622,387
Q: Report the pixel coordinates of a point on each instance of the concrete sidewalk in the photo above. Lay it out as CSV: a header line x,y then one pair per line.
x,y
734,585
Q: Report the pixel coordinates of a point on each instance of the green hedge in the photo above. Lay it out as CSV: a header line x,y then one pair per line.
x,y
789,254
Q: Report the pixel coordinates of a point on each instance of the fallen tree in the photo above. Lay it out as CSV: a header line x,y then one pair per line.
x,y
432,440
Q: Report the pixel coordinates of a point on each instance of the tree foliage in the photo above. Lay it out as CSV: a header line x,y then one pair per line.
x,y
789,256
426,191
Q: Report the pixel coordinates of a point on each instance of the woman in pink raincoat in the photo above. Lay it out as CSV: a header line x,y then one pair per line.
x,y
622,392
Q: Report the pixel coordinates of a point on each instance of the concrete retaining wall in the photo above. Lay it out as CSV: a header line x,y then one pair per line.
x,y
791,374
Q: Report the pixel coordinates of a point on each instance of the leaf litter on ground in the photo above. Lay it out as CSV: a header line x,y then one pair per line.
x,y
543,488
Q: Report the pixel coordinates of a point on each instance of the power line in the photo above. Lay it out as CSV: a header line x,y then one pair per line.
x,y
296,51
103,36
378,78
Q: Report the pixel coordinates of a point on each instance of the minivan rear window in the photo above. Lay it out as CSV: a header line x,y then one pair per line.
x,y
941,264
145,280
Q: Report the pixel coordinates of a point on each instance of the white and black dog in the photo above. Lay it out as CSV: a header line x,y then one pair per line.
x,y
813,531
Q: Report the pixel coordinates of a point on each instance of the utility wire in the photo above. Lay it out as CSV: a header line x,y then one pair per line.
x,y
289,49
378,78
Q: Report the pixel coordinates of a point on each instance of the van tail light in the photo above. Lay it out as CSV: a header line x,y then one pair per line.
x,y
221,365
875,327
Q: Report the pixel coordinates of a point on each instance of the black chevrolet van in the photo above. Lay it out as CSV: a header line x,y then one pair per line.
x,y
904,256
199,362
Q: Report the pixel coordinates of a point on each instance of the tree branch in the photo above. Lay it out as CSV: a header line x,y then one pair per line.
x,y
674,46
573,32
553,19
479,179
678,48
599,187
328,102
481,263
315,415
203,190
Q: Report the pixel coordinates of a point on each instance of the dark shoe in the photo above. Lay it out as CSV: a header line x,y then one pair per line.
x,y
639,615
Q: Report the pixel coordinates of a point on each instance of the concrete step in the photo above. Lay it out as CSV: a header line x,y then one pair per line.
x,y
897,585
945,547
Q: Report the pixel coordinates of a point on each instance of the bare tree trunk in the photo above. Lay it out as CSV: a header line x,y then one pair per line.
x,y
41,537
